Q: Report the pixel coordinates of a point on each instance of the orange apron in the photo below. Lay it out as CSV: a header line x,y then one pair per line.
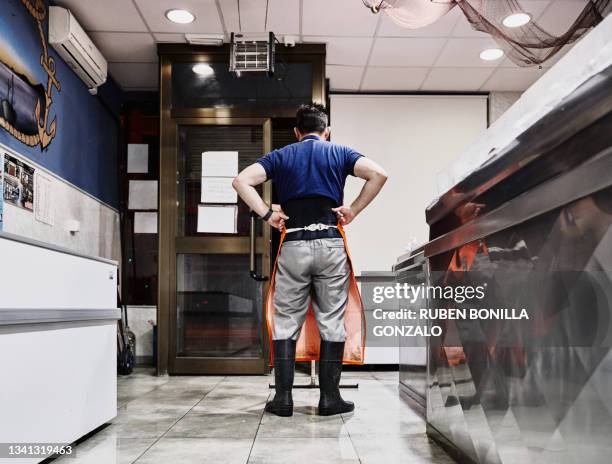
x,y
308,343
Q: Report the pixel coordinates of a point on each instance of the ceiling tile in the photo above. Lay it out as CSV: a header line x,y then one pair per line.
x,y
393,79
466,53
557,56
406,51
535,7
135,76
441,28
344,77
229,9
284,17
507,63
345,50
560,15
205,11
456,79
338,17
512,79
252,15
464,28
169,38
107,15
126,46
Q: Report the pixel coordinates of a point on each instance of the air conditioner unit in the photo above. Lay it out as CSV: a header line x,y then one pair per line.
x,y
72,43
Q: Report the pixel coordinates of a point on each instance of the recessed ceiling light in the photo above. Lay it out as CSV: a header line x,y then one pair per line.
x,y
516,20
203,70
180,16
491,54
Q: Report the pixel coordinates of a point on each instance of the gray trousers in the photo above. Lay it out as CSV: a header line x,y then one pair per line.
x,y
316,269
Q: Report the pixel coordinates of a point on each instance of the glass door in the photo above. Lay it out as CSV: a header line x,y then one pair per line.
x,y
221,278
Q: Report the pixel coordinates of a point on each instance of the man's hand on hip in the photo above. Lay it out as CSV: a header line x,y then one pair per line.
x,y
277,220
345,214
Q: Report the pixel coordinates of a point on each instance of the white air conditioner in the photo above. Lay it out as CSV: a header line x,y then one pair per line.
x,y
72,43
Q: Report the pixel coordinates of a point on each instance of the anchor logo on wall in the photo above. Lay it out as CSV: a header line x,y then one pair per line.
x,y
34,128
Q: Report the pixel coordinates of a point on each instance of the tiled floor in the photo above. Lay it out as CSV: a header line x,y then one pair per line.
x,y
221,420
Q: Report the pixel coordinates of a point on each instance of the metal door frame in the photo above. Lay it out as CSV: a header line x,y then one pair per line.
x,y
170,245
170,119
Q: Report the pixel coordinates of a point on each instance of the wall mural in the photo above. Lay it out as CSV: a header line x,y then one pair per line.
x,y
25,104
47,114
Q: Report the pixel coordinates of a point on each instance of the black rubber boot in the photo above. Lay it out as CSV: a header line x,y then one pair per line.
x,y
284,366
330,369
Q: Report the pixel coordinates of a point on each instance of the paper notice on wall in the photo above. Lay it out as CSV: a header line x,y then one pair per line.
x,y
145,223
218,190
217,219
138,158
220,164
142,194
43,204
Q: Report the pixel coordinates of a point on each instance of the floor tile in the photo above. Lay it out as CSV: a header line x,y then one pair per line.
x,y
413,449
198,450
108,450
303,424
190,419
141,425
204,425
166,400
388,376
303,450
383,422
225,402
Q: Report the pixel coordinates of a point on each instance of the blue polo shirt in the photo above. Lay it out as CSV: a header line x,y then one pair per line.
x,y
310,168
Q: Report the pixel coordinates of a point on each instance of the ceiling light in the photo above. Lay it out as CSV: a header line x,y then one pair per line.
x,y
516,20
180,16
203,70
491,54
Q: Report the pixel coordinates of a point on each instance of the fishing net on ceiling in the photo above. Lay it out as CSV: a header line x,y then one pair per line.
x,y
525,45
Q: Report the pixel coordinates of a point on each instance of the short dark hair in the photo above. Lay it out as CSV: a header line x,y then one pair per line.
x,y
311,118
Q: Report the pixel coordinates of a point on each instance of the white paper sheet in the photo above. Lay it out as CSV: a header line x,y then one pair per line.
x,y
138,158
43,202
217,219
145,223
220,164
142,194
218,190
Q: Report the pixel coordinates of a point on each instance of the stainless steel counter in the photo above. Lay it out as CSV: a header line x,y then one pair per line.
x,y
535,226
412,270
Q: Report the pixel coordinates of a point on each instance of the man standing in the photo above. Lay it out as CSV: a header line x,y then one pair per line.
x,y
312,269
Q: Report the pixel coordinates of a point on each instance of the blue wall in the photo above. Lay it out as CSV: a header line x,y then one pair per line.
x,y
84,150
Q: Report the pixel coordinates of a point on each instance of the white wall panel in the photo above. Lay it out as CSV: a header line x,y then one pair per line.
x,y
99,234
414,137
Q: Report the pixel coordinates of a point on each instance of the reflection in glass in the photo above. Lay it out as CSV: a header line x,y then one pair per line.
x,y
290,87
219,306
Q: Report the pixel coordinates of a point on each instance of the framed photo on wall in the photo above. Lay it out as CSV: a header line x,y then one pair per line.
x,y
18,188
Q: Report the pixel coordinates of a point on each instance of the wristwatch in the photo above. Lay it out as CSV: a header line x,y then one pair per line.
x,y
267,215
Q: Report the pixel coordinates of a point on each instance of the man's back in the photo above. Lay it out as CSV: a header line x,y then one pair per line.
x,y
310,168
